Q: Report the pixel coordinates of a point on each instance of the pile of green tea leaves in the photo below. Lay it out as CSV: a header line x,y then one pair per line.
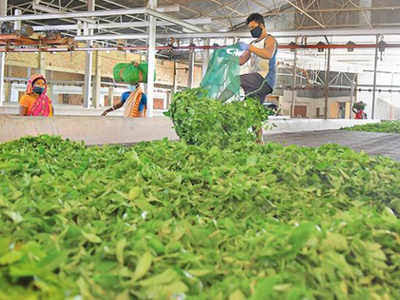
x,y
384,126
200,120
168,220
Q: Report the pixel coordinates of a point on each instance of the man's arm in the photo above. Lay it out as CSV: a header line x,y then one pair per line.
x,y
244,57
268,51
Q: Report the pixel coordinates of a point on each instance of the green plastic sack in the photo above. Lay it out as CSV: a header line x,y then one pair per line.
x,y
223,73
129,73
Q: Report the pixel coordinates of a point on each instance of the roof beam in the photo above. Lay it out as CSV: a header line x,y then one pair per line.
x,y
173,20
202,21
274,12
305,13
37,6
226,6
74,15
101,13
283,34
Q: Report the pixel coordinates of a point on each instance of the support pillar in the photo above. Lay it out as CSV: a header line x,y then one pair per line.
x,y
87,95
206,57
352,93
17,24
294,81
3,12
174,80
151,59
2,77
328,69
7,91
192,57
375,79
87,88
97,81
111,95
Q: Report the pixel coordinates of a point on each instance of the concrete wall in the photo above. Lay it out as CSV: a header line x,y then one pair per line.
x,y
68,67
165,73
74,95
387,104
68,62
91,130
386,111
300,125
312,105
71,66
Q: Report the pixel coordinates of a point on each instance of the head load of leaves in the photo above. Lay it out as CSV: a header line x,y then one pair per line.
x,y
359,105
168,220
200,120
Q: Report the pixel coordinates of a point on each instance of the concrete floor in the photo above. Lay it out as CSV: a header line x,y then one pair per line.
x,y
386,144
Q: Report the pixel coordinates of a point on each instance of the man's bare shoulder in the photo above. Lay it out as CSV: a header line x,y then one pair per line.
x,y
270,41
270,38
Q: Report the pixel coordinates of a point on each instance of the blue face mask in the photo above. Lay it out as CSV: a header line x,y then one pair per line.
x,y
256,32
38,90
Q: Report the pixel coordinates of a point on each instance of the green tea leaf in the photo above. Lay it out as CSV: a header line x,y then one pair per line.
x,y
15,216
143,266
237,295
199,272
134,193
11,257
119,250
91,237
165,277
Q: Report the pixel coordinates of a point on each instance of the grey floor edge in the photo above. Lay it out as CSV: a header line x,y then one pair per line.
x,y
373,143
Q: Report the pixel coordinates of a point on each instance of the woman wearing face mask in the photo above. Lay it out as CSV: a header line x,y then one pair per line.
x,y
135,103
35,101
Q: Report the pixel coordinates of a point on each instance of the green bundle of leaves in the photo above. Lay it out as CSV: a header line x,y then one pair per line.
x,y
384,126
168,220
200,120
359,105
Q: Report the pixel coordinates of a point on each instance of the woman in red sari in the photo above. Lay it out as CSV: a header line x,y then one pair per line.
x,y
35,101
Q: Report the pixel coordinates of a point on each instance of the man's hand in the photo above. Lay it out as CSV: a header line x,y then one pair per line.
x,y
243,46
268,51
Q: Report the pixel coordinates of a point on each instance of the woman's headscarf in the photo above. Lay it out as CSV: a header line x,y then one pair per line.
x,y
42,106
31,81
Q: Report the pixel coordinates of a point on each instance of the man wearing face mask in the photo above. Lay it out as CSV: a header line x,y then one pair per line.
x,y
260,55
35,101
135,102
